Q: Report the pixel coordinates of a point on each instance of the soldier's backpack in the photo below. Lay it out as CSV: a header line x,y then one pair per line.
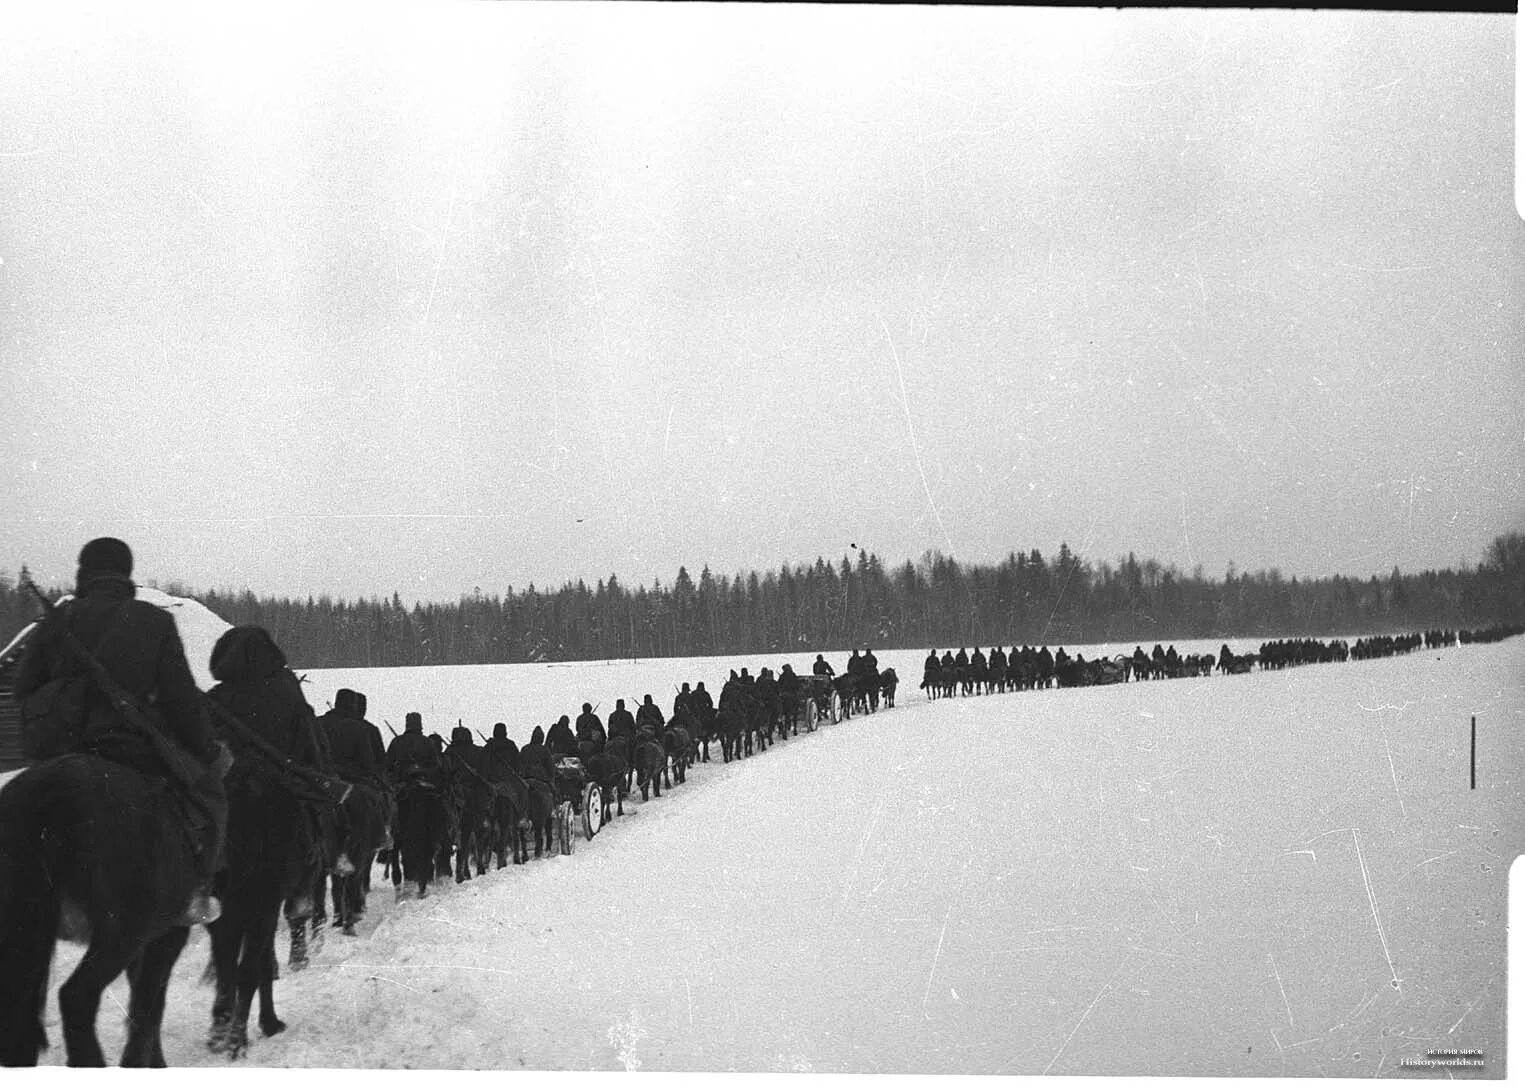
x,y
53,717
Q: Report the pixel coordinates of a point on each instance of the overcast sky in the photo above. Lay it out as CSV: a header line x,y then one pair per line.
x,y
425,299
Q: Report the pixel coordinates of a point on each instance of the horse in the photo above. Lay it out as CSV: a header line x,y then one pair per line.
x,y
104,850
361,828
680,748
705,730
888,681
868,686
473,836
307,908
623,746
932,679
759,727
650,764
272,844
733,727
608,768
421,828
537,817
979,672
509,797
847,690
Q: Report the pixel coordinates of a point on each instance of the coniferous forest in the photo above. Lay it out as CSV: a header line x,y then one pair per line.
x,y
937,601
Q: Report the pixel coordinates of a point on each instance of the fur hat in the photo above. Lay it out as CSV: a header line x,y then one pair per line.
x,y
106,555
414,722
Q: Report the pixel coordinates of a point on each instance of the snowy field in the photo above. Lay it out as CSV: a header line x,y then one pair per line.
x,y
1270,874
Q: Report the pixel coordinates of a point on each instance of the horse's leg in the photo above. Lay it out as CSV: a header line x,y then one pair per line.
x,y
319,919
350,889
149,977
31,909
79,998
262,940
337,884
253,963
296,925
362,885
227,935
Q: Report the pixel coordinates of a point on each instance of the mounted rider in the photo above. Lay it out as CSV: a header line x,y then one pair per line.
x,y
500,755
649,716
561,741
590,730
347,740
535,761
139,647
413,754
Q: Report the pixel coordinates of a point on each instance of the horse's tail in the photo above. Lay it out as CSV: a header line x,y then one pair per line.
x,y
29,915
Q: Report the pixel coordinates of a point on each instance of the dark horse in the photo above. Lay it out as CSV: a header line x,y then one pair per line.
x,y
271,845
104,850
540,810
650,764
361,829
732,726
422,827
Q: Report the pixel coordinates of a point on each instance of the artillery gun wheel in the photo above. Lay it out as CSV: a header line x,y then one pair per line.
x,y
592,809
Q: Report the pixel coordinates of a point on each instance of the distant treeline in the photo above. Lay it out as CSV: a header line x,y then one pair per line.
x,y
1026,599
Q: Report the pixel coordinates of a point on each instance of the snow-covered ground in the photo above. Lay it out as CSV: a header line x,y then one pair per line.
x,y
1271,874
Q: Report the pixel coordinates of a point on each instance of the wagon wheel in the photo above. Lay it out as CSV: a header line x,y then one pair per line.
x,y
836,707
592,809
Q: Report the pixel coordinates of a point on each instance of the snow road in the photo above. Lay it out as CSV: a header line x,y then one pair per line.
x,y
1272,874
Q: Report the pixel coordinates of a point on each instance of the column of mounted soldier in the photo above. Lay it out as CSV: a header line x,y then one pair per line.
x,y
151,806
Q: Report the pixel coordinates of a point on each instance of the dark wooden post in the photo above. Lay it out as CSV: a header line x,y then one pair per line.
x,y
1474,752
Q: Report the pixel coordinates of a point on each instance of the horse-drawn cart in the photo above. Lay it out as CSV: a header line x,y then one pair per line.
x,y
586,798
820,700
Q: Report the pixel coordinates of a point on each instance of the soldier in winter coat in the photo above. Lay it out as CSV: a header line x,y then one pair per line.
x,y
500,755
621,721
139,647
590,729
649,715
412,751
351,753
680,702
535,761
257,688
561,740
378,745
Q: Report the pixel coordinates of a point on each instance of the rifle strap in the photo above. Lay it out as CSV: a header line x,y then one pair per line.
x,y
174,759
264,747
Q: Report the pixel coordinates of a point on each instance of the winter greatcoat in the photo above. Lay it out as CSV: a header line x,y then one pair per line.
x,y
255,686
535,760
140,647
350,752
412,750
